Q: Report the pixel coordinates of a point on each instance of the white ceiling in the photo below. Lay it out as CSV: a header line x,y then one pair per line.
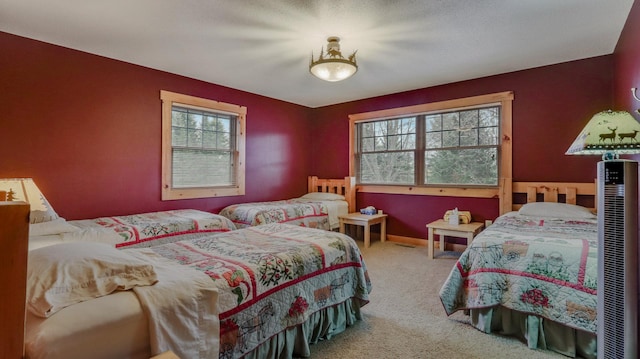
x,y
264,46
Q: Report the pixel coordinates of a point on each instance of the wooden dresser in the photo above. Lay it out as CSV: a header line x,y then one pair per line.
x,y
14,246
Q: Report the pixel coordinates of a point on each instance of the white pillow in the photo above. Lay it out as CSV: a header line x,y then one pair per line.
x,y
556,210
56,226
64,274
323,196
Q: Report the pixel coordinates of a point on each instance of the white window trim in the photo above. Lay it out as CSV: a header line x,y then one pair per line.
x,y
505,100
169,99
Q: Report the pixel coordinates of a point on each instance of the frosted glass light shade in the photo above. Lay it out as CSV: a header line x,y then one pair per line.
x,y
333,69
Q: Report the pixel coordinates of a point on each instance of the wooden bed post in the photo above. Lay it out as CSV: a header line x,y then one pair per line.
x,y
14,238
506,195
350,192
312,184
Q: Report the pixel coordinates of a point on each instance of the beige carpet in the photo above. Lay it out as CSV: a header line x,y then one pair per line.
x,y
405,318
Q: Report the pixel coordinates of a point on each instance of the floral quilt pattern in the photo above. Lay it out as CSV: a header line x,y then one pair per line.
x,y
273,277
139,229
541,266
295,212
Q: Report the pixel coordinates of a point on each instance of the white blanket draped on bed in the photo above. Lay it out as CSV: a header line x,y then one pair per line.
x,y
181,308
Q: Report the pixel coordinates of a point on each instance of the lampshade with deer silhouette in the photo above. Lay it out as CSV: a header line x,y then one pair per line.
x,y
608,133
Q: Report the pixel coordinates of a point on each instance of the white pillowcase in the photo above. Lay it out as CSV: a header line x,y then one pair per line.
x,y
323,196
556,210
55,226
64,274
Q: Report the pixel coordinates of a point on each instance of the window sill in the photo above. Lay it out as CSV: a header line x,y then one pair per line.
x,y
432,191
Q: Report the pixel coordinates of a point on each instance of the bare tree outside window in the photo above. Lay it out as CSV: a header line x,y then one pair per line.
x,y
388,151
457,148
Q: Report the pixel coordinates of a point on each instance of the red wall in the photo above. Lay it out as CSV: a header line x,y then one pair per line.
x,y
551,106
88,130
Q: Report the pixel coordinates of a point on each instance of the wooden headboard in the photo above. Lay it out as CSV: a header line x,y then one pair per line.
x,y
551,192
344,186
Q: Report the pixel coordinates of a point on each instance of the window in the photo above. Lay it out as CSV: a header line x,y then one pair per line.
x,y
461,147
202,147
463,144
387,151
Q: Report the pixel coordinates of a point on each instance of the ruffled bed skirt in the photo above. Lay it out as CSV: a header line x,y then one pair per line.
x,y
321,325
536,332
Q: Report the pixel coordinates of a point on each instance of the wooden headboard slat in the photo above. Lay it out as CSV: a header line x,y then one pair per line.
x,y
532,194
344,186
551,192
571,196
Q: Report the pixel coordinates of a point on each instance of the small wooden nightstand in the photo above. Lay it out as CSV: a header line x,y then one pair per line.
x,y
442,228
366,221
14,239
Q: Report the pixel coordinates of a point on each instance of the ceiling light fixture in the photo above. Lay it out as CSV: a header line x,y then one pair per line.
x,y
331,65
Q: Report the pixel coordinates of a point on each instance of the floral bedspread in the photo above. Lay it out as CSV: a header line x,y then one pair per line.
x,y
273,277
166,226
292,211
541,266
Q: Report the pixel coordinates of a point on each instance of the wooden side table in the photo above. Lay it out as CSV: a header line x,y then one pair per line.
x,y
443,228
366,221
14,239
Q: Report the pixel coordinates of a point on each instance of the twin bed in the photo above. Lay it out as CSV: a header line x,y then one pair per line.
x,y
190,282
319,208
532,273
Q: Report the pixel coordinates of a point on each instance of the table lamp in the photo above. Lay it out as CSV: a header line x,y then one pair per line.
x,y
25,190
